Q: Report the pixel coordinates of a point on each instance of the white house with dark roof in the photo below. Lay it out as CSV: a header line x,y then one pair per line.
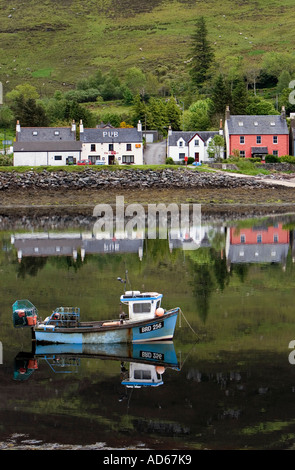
x,y
110,145
35,146
193,144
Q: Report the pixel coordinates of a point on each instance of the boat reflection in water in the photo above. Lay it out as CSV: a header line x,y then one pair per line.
x,y
141,364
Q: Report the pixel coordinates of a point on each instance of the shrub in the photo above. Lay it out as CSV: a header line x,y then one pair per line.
x,y
271,158
169,161
287,159
6,160
190,160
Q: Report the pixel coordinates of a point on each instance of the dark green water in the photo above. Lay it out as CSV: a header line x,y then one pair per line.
x,y
234,384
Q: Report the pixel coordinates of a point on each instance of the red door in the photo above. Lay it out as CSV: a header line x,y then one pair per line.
x,y
197,156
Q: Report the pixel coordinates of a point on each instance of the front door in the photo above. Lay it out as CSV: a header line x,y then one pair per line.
x,y
111,159
197,156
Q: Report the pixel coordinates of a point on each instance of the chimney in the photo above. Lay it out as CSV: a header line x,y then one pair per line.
x,y
81,127
139,126
17,126
220,127
283,113
73,126
169,131
227,113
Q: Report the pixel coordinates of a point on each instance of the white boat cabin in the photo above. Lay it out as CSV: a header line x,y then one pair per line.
x,y
143,375
144,305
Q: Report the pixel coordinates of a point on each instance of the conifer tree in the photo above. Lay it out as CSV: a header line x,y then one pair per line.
x,y
202,54
220,96
240,97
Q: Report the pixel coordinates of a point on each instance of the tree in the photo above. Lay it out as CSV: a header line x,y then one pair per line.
x,y
29,113
239,97
284,80
139,110
260,106
202,54
135,80
216,147
197,116
173,114
220,97
26,90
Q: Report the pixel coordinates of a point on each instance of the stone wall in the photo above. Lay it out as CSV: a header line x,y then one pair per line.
x,y
116,179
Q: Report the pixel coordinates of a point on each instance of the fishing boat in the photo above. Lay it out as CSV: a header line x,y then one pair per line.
x,y
146,321
141,364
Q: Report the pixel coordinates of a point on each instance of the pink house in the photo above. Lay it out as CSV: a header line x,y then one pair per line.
x,y
256,136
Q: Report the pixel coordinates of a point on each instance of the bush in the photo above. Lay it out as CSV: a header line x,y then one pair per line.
x,y
6,160
169,161
190,160
271,158
287,159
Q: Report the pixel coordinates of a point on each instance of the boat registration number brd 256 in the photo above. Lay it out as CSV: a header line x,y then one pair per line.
x,y
149,328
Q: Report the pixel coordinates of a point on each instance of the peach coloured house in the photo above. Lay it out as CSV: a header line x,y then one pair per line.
x,y
256,136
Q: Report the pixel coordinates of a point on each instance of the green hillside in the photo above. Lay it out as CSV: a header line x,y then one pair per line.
x,y
53,43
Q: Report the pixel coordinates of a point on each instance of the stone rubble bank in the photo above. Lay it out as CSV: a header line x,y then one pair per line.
x,y
167,178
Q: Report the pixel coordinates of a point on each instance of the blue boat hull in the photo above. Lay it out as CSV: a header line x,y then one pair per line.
x,y
158,329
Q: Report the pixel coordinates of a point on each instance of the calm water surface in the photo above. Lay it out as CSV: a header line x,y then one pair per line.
x,y
227,381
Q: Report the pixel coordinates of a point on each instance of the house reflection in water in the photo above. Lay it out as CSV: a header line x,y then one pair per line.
x,y
258,244
70,244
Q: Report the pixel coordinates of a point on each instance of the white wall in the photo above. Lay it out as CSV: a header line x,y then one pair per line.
x,y
102,150
29,158
42,158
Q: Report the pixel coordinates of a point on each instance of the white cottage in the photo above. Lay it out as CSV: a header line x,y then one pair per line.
x,y
35,146
109,145
193,144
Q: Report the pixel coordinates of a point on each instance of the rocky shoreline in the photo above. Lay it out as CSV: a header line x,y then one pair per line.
x,y
125,178
63,194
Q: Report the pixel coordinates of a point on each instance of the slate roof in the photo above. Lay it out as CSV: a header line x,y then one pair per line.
x,y
266,124
113,135
189,135
61,146
48,134
258,253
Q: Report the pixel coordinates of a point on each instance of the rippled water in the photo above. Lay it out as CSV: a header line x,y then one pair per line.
x,y
226,382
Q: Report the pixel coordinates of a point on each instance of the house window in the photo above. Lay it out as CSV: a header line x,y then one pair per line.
x,y
242,139
258,139
243,239
128,147
57,157
92,147
35,133
275,238
197,142
127,158
180,143
259,238
241,123
275,139
111,147
275,152
242,153
181,156
56,132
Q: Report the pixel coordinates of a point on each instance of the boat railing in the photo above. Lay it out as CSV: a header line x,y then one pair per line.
x,y
64,316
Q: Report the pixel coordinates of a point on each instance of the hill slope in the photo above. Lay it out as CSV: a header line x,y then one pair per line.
x,y
54,43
